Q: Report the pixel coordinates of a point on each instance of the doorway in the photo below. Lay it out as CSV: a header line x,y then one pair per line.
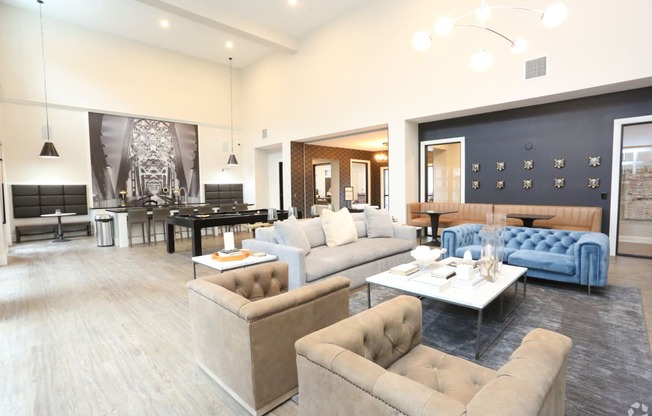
x,y
635,199
442,170
360,180
384,187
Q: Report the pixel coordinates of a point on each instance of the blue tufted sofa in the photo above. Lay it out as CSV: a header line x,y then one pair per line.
x,y
565,256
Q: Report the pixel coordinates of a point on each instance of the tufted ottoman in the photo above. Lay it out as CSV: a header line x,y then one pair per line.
x,y
373,363
245,323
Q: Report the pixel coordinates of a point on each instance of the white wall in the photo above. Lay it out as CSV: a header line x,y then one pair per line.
x,y
361,71
92,71
357,71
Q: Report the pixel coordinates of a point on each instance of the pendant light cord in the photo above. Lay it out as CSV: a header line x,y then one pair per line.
x,y
231,99
45,84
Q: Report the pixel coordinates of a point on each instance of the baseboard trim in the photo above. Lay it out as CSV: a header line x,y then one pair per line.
x,y
634,239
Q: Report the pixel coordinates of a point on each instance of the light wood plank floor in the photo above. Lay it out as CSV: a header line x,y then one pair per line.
x,y
88,330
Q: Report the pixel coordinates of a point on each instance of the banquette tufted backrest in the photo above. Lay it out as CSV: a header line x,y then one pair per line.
x,y
35,200
382,334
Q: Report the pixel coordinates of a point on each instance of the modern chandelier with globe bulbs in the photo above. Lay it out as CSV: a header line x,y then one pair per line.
x,y
553,16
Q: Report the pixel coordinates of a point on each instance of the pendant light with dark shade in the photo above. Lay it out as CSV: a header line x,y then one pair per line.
x,y
48,149
232,160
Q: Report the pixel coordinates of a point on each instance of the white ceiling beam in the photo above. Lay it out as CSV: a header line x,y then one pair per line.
x,y
233,25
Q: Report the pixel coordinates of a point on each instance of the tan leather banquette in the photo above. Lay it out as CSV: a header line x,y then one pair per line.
x,y
565,217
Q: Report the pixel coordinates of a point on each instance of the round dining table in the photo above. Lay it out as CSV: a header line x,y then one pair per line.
x,y
59,236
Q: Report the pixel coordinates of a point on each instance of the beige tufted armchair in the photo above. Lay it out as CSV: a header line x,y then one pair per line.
x,y
373,363
245,323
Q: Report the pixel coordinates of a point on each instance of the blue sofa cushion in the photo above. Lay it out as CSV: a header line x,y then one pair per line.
x,y
541,260
553,241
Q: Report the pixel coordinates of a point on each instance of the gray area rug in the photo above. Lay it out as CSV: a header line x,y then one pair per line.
x,y
610,366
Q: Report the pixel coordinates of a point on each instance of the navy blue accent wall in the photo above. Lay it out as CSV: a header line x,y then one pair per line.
x,y
571,130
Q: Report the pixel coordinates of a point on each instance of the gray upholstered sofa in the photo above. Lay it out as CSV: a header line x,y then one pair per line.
x,y
561,255
373,363
377,248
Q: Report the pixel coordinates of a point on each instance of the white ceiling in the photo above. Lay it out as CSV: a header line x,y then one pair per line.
x,y
200,28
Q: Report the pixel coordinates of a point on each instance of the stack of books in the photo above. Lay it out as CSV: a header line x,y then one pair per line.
x,y
404,269
443,272
434,283
230,252
467,284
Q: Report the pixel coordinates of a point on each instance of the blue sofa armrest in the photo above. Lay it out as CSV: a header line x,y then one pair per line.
x,y
592,258
458,236
294,257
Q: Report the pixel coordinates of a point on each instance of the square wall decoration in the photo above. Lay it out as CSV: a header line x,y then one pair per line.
x,y
144,159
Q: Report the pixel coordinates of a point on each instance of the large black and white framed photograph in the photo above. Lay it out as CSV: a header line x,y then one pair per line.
x,y
148,161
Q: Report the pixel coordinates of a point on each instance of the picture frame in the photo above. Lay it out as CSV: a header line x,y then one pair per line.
x,y
348,193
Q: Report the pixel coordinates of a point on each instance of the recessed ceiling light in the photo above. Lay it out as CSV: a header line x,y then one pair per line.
x,y
164,23
229,44
292,2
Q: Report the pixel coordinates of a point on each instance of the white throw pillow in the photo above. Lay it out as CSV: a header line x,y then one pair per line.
x,y
379,223
289,233
338,227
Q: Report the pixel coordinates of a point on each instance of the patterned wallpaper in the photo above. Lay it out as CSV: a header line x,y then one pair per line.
x,y
301,156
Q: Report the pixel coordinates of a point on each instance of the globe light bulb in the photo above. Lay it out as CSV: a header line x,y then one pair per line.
x,y
421,41
519,46
483,13
554,15
481,60
444,26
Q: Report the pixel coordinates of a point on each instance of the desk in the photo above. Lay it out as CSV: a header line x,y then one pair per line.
x,y
59,238
434,223
528,219
197,222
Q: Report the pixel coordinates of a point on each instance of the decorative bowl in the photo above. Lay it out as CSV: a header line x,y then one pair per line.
x,y
426,256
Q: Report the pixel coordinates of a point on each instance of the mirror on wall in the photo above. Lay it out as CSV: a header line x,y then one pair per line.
x,y
322,183
442,168
360,181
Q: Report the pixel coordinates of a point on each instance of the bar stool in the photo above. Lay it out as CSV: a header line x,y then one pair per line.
x,y
206,209
158,215
225,209
137,216
185,211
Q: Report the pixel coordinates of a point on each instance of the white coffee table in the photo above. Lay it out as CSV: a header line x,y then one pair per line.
x,y
477,298
222,266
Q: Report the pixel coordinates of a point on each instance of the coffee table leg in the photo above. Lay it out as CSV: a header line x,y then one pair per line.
x,y
368,295
477,339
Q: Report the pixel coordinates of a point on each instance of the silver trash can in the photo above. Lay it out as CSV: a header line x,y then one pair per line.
x,y
104,230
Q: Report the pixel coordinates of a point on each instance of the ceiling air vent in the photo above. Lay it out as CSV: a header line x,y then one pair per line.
x,y
535,68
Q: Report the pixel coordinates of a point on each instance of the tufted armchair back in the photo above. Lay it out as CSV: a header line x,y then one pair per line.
x,y
382,336
255,283
373,364
245,323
